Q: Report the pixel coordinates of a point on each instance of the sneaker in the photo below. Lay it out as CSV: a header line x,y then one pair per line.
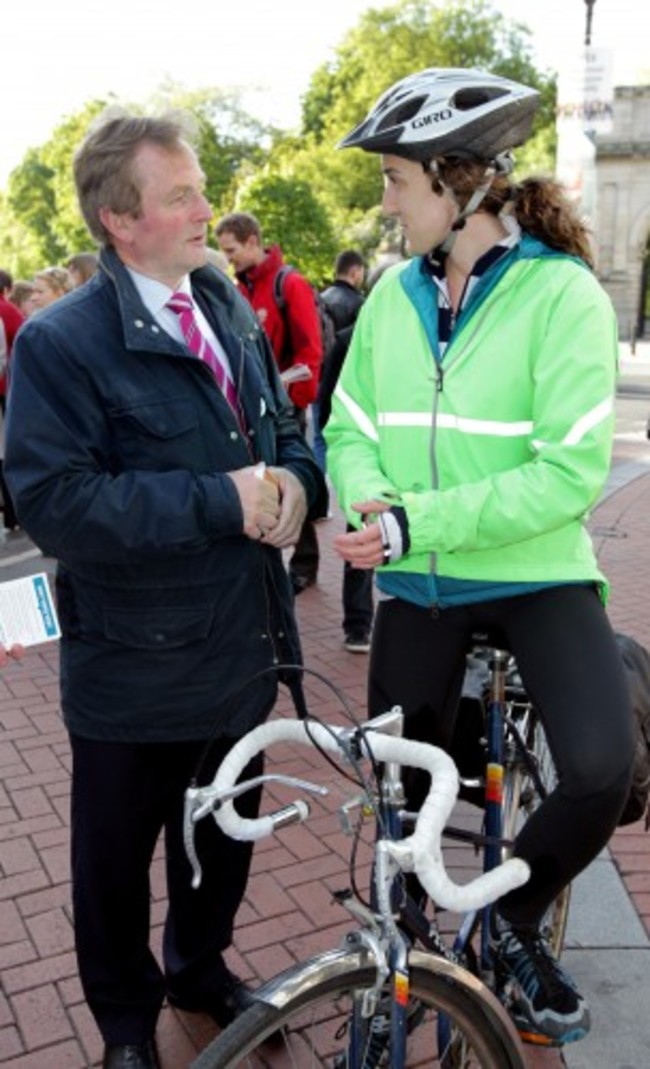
x,y
357,642
537,986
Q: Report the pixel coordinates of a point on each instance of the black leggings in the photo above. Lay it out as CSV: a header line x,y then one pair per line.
x,y
571,667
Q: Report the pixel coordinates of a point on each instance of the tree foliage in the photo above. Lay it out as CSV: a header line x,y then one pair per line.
x,y
408,36
292,217
310,198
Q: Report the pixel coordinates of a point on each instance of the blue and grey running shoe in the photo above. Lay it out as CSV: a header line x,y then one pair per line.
x,y
538,986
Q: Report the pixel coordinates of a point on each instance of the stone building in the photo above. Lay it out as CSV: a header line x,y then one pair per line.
x,y
622,221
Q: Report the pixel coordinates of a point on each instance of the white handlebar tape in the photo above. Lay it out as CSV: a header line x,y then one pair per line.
x,y
420,852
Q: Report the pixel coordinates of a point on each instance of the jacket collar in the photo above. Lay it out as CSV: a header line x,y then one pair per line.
x,y
229,314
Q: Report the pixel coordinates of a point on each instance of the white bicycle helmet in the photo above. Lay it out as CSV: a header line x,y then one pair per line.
x,y
447,111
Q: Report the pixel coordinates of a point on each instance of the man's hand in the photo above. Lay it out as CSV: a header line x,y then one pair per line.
x,y
259,498
364,548
14,652
293,509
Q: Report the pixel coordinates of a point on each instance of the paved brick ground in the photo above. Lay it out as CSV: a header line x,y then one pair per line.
x,y
288,912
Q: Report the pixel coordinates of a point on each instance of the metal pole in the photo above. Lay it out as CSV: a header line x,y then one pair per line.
x,y
590,12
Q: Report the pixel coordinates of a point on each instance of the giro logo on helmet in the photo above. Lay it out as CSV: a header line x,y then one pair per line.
x,y
426,120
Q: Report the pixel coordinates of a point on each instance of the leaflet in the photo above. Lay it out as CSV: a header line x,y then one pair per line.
x,y
27,612
295,373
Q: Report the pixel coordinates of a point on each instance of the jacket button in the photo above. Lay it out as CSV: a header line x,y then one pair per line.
x,y
139,323
159,637
234,436
155,329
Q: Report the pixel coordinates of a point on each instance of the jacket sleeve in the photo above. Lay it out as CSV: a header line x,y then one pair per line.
x,y
353,452
304,335
330,371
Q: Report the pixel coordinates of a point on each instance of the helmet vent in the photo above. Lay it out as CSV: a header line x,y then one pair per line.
x,y
403,113
476,96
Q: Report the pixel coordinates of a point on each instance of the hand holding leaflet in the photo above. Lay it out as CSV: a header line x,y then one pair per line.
x,y
27,612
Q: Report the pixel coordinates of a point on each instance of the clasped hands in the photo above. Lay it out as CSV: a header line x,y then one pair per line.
x,y
273,503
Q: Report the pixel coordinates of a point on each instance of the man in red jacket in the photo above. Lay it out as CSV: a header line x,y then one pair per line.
x,y
295,336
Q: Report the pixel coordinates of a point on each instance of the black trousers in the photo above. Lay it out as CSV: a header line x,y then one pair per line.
x,y
123,796
572,669
306,554
358,607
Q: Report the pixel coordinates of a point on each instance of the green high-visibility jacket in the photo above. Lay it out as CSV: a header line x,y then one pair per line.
x,y
498,450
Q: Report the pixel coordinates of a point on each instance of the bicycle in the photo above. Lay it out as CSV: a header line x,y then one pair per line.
x,y
379,999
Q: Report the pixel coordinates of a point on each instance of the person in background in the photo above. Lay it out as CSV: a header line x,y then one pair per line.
x,y
11,320
470,435
81,267
152,451
343,299
294,333
22,293
50,285
345,296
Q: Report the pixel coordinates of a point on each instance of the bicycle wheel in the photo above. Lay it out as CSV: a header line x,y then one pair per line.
x,y
529,776
303,1020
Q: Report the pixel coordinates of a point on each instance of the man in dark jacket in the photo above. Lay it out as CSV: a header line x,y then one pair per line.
x,y
152,451
344,297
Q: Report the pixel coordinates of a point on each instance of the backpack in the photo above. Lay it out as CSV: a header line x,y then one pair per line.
x,y
326,322
636,660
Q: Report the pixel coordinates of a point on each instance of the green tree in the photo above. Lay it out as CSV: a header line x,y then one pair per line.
x,y
67,224
292,217
20,254
31,203
41,203
386,45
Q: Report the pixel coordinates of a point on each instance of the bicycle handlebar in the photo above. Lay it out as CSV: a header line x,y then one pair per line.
x,y
420,852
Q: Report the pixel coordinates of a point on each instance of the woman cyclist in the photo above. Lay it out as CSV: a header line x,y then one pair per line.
x,y
470,434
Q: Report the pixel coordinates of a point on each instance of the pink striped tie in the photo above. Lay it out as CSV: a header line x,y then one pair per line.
x,y
182,305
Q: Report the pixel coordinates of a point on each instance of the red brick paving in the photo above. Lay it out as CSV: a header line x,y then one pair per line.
x,y
288,912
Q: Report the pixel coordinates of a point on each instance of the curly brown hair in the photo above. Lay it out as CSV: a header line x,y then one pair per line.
x,y
540,205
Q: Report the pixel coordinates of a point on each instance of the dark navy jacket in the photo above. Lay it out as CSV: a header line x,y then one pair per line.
x,y
117,441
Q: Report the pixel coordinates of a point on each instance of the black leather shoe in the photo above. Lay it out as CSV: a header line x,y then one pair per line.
x,y
232,998
132,1056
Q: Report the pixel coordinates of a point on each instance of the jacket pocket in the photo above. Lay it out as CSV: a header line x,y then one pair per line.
x,y
158,629
157,433
161,418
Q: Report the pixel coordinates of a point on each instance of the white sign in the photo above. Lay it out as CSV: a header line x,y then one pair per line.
x,y
585,91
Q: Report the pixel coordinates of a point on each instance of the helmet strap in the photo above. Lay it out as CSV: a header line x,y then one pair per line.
x,y
472,206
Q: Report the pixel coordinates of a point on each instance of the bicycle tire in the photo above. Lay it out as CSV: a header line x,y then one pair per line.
x,y
521,796
302,1018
